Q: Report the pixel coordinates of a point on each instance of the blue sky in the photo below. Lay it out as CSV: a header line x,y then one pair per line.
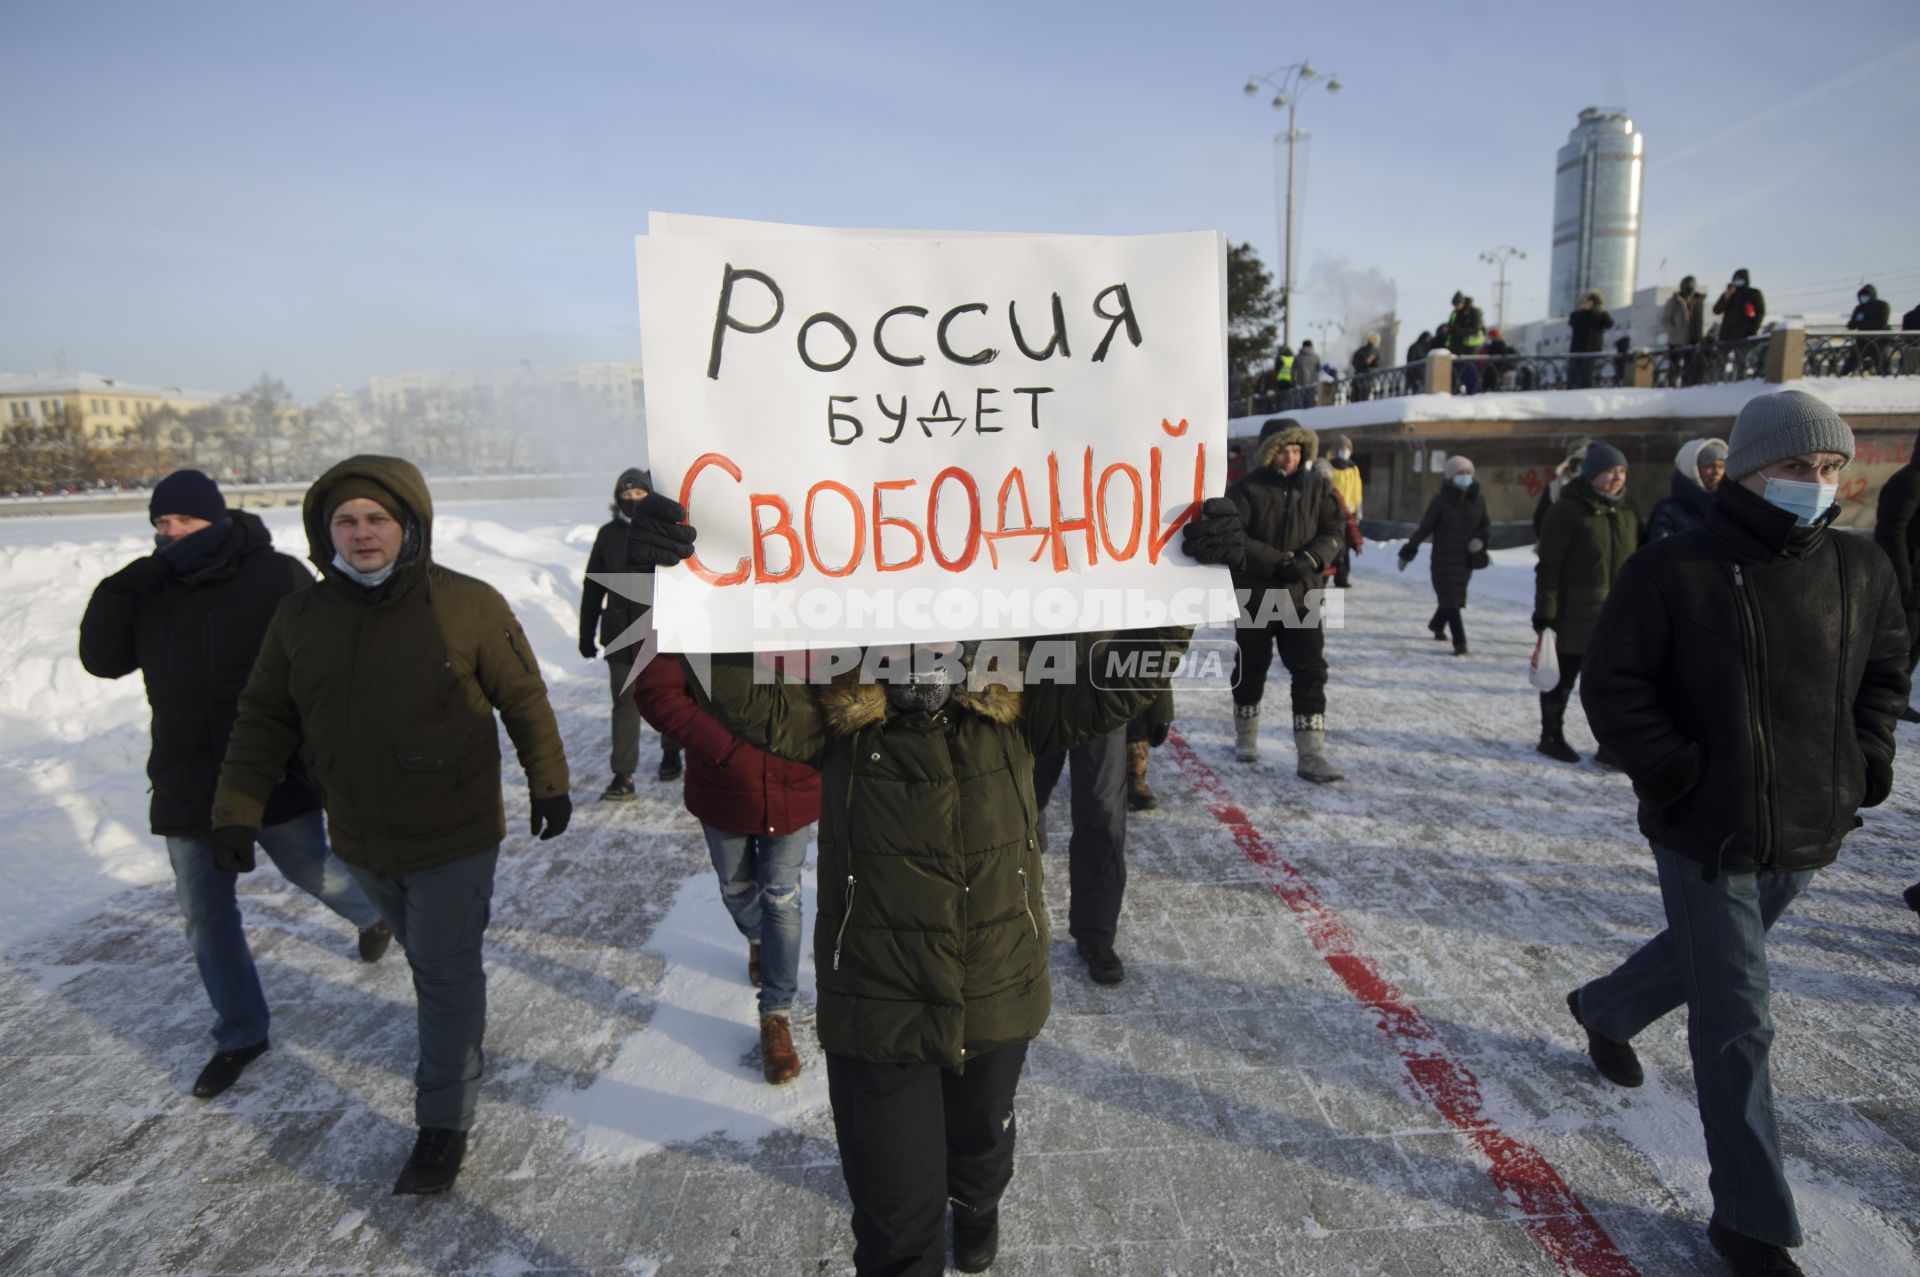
x,y
198,193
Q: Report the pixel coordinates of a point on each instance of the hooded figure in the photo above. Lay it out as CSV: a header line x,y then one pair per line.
x,y
386,678
1742,308
1697,470
613,601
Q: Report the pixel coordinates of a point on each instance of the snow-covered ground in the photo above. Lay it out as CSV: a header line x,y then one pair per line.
x,y
1341,1046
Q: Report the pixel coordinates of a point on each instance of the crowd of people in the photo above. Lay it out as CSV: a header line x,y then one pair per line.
x,y
346,726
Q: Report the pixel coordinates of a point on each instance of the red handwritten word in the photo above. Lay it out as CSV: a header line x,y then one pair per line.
x,y
771,516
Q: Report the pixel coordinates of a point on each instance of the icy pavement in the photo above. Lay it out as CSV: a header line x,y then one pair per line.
x,y
1341,1046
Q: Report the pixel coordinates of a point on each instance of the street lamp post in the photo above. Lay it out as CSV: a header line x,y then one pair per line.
x,y
1288,84
1499,257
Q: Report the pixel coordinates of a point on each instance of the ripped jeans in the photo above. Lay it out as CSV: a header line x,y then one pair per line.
x,y
760,885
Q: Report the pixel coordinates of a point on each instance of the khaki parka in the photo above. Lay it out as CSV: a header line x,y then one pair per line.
x,y
388,695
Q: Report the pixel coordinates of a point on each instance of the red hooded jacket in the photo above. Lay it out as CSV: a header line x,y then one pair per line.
x,y
729,784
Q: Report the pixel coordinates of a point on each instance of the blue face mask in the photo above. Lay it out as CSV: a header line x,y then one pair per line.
x,y
1463,481
1806,502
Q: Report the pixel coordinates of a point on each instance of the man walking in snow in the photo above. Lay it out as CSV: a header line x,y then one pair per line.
x,y
385,677
1747,675
1294,529
608,616
190,617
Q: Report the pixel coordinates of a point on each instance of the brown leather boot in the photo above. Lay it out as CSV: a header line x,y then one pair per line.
x,y
778,1060
1139,796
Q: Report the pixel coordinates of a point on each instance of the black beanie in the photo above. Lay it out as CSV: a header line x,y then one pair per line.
x,y
187,492
1601,457
632,477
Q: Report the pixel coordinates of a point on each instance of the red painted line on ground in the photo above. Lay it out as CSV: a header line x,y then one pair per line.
x,y
1550,1211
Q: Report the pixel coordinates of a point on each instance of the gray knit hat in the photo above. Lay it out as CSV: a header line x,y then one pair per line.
x,y
1785,423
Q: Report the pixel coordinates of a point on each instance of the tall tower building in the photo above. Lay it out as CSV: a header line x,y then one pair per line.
x,y
1596,211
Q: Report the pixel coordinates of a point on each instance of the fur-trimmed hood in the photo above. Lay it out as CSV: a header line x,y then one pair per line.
x,y
1308,441
849,705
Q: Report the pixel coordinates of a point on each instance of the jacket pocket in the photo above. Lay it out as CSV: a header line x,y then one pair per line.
x,y
846,916
432,761
1026,902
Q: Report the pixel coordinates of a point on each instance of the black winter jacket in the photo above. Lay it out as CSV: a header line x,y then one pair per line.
x,y
607,613
1587,327
1294,525
1748,676
1683,509
1744,312
195,639
1896,526
1872,315
1455,516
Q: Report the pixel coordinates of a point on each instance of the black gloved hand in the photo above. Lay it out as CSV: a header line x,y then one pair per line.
x,y
1295,567
589,649
659,535
553,813
142,576
1216,535
233,848
1157,734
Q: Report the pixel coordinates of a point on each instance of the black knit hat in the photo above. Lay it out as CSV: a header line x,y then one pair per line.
x,y
187,492
1601,457
632,477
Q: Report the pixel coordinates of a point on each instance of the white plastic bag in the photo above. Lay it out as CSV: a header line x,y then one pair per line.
x,y
1545,674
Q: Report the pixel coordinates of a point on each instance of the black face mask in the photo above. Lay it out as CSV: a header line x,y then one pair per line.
x,y
918,698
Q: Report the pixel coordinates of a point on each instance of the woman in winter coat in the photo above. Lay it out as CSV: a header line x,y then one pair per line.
x,y
1588,535
1697,472
1456,519
757,813
930,948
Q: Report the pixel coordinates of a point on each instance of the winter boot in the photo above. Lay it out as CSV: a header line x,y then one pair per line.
x,y
976,1236
618,790
1438,627
1246,733
1750,1257
374,941
1310,744
669,760
779,1062
1553,740
1912,896
1618,1062
435,1164
1139,796
1103,964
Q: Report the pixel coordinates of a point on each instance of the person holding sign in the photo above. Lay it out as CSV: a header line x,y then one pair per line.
x,y
931,946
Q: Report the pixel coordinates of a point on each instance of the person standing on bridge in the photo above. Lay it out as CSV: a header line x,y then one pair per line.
x,y
1742,308
1747,674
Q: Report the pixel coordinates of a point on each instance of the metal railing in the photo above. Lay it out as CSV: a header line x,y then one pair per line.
x,y
1839,352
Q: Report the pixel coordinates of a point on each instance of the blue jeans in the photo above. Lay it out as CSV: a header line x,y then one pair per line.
x,y
1713,958
760,883
212,913
439,916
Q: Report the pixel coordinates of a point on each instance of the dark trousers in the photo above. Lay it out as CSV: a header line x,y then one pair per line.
x,y
1450,618
1553,705
1097,852
1343,568
1712,958
439,916
1913,641
913,1135
1303,650
626,721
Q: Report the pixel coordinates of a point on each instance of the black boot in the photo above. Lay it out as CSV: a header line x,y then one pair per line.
x,y
1103,964
1553,740
434,1165
1912,896
976,1237
1749,1257
1617,1061
669,761
374,941
224,1069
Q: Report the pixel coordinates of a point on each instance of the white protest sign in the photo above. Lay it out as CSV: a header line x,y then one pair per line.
x,y
895,436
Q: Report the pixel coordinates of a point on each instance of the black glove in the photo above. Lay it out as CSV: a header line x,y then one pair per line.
x,y
142,576
1294,568
660,535
553,813
1157,734
1216,535
233,848
589,649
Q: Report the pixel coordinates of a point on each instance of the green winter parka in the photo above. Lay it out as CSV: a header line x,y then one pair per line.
x,y
389,695
1584,542
930,944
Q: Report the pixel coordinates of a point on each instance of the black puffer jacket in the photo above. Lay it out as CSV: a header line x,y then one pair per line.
x,y
1294,525
1871,315
1748,676
1683,509
1455,517
1896,525
606,613
195,639
1743,311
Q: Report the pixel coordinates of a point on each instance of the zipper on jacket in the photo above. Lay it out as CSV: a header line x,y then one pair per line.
x,y
1026,902
518,654
1756,695
846,915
